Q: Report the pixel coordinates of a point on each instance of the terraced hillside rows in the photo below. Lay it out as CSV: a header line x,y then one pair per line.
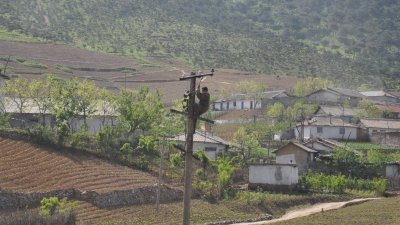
x,y
26,167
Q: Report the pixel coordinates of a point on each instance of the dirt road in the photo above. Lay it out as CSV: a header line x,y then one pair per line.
x,y
311,210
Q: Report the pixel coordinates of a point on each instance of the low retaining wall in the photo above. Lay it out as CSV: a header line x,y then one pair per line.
x,y
12,200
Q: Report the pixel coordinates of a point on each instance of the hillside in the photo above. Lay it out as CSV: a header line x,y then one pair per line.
x,y
351,42
31,60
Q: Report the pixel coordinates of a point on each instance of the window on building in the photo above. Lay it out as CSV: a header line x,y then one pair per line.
x,y
227,106
234,104
320,130
342,130
242,106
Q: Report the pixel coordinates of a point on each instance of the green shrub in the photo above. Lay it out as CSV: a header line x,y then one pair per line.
x,y
53,206
41,134
177,160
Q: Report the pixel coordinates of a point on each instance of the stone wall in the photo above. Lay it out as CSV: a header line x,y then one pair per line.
x,y
13,201
388,138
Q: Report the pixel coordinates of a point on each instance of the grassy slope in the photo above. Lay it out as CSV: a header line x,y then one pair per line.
x,y
384,211
248,35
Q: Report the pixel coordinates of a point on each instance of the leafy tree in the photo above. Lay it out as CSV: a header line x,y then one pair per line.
x,y
248,142
107,103
309,85
19,92
41,96
139,110
276,110
366,109
126,150
225,171
205,161
86,96
147,146
54,206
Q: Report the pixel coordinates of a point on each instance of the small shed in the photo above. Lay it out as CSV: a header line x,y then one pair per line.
x,y
273,177
295,153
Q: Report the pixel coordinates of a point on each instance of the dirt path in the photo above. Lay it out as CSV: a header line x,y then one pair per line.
x,y
312,210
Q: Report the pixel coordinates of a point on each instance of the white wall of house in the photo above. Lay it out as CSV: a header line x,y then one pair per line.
x,y
210,149
273,174
235,105
328,132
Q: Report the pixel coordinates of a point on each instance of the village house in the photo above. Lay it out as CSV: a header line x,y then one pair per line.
x,y
235,102
327,127
295,153
244,102
347,114
381,97
212,145
31,116
334,96
380,125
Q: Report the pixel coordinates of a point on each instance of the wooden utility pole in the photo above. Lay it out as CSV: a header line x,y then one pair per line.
x,y
191,126
160,174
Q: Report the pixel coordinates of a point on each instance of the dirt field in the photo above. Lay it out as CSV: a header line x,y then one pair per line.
x,y
111,71
26,167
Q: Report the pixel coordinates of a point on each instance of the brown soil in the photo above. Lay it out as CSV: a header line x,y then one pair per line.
x,y
26,167
165,78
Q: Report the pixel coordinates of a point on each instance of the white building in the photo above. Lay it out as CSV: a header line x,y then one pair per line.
x,y
212,145
235,102
273,177
31,115
327,127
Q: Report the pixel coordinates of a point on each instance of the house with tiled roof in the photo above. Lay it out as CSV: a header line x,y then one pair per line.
x,y
211,144
381,97
328,127
380,125
334,96
345,113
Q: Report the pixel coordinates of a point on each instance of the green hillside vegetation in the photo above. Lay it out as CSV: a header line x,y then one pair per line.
x,y
351,41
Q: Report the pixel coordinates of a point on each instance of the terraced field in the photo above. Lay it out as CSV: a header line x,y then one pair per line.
x,y
26,167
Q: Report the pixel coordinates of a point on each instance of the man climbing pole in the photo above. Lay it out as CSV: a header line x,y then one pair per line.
x,y
204,101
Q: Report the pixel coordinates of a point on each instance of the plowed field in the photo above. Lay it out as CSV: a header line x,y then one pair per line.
x,y
27,167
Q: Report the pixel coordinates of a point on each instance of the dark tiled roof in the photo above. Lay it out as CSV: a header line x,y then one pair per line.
x,y
301,146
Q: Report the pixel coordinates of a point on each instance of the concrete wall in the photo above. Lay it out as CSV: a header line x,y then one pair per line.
x,y
393,175
389,138
298,156
328,132
273,177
